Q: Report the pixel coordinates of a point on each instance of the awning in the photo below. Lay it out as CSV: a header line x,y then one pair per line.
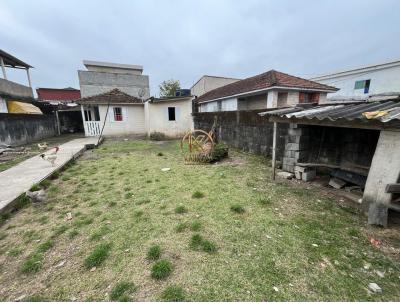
x,y
24,108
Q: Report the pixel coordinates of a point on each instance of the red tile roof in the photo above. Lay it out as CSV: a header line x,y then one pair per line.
x,y
114,96
54,94
265,80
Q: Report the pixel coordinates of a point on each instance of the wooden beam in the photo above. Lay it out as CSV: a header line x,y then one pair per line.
x,y
392,188
274,152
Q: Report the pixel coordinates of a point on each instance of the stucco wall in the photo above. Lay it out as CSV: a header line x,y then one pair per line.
x,y
206,84
19,129
382,81
93,82
158,118
133,120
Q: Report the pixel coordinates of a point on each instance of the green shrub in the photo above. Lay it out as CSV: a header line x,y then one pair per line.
x,y
32,264
160,154
161,269
220,151
208,246
198,194
157,136
195,226
97,257
237,209
154,253
180,210
44,247
181,227
173,293
55,175
198,243
45,183
22,202
120,289
35,188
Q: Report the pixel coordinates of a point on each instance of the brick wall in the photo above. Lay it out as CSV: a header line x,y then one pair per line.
x,y
244,130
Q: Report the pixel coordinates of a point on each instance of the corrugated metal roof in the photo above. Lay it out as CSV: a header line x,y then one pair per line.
x,y
342,111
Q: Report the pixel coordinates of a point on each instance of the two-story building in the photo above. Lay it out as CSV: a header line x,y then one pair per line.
x,y
272,89
364,82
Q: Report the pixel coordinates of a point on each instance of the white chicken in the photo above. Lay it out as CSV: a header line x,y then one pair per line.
x,y
51,157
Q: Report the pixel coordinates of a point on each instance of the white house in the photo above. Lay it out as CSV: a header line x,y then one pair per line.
x,y
272,89
170,116
116,113
364,82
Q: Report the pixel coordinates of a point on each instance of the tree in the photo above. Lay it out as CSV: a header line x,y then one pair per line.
x,y
169,87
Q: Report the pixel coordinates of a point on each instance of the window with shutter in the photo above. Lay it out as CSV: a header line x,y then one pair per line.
x,y
118,114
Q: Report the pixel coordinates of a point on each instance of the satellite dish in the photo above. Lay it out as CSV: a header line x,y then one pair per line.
x,y
141,92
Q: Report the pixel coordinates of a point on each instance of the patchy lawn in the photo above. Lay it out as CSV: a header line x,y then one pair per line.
x,y
220,232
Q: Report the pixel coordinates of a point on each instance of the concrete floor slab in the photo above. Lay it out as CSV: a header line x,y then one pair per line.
x,y
20,178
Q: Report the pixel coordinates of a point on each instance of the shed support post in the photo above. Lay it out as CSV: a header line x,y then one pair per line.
x,y
29,77
274,151
3,68
58,123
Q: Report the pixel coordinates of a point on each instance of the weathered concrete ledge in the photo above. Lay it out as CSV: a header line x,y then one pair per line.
x,y
17,180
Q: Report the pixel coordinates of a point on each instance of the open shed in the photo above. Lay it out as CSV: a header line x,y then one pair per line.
x,y
357,141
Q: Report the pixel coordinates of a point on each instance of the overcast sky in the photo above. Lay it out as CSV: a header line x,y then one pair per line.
x,y
184,40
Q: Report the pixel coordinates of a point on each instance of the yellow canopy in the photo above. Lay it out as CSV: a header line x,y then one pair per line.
x,y
19,107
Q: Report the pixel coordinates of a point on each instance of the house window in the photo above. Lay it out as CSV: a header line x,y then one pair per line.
x,y
118,114
364,84
171,113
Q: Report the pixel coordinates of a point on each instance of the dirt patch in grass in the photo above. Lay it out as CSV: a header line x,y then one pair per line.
x,y
290,237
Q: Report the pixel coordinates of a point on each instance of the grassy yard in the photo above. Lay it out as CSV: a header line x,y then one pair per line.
x,y
222,232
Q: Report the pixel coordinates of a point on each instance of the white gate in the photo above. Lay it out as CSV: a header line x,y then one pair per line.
x,y
92,128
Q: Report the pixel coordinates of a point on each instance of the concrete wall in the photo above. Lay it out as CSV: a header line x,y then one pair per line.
x,y
15,89
133,120
157,118
19,129
382,81
207,83
244,130
93,82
